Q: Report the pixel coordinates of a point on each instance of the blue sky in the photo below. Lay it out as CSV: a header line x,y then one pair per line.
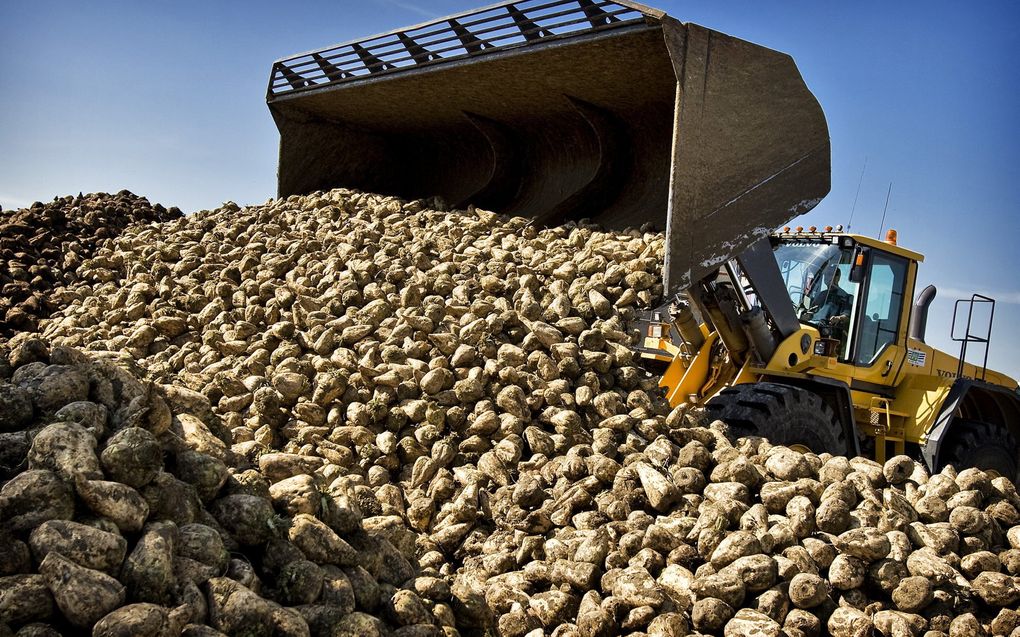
x,y
167,99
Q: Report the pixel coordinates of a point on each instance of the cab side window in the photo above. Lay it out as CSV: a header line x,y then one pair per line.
x,y
880,319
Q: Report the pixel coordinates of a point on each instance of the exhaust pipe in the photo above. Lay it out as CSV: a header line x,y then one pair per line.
x,y
919,319
561,110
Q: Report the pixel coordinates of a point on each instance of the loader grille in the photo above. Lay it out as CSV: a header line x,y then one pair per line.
x,y
481,32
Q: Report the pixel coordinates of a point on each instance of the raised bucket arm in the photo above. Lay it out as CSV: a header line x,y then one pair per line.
x,y
560,110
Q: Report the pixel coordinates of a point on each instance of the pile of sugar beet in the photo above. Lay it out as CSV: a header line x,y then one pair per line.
x,y
346,414
41,243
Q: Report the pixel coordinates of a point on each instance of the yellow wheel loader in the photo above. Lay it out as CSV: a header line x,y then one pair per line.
x,y
615,112
818,345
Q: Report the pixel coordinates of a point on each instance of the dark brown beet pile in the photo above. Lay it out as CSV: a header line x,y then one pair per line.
x,y
40,244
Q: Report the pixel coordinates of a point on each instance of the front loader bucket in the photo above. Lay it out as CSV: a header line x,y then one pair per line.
x,y
561,110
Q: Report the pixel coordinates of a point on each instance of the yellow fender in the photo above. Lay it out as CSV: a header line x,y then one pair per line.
x,y
682,381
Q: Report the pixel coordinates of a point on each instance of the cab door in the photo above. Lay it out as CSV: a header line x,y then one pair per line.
x,y
879,343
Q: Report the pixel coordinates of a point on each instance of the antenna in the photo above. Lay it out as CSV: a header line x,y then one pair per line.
x,y
882,227
858,194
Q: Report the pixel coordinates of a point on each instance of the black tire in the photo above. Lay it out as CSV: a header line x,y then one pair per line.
x,y
984,445
783,414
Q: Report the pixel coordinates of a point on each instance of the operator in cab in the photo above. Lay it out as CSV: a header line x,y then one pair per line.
x,y
831,306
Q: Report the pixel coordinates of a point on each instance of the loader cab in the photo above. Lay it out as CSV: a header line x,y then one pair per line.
x,y
852,289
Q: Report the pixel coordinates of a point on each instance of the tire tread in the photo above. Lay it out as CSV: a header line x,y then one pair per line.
x,y
780,413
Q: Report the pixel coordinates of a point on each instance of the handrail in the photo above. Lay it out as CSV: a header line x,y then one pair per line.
x,y
972,338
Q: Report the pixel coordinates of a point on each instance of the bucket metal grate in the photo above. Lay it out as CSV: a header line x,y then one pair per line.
x,y
480,32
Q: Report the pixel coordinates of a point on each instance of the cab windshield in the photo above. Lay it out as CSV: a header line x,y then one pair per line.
x,y
817,278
